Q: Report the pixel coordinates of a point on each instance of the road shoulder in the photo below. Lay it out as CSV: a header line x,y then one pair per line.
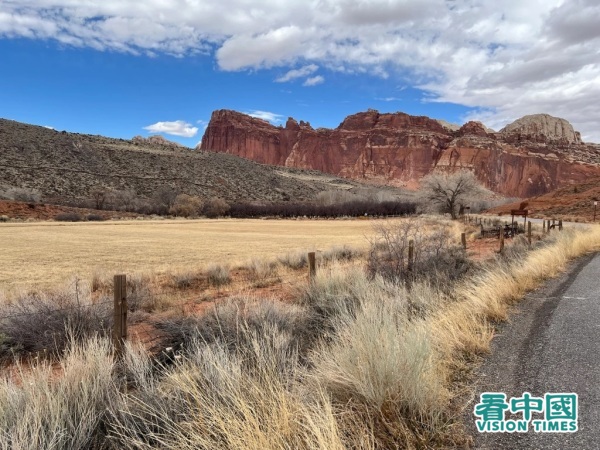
x,y
514,365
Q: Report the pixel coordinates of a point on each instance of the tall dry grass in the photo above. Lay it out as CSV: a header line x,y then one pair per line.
x,y
49,407
378,372
466,325
211,400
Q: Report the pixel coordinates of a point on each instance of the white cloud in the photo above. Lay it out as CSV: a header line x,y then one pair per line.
x,y
176,128
49,127
388,99
506,59
313,81
270,48
266,115
298,73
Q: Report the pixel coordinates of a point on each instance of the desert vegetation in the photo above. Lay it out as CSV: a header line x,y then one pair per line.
x,y
371,356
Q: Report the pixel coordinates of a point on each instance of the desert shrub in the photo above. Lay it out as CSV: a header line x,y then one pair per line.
x,y
339,290
260,270
218,274
233,321
436,256
340,253
186,206
187,279
374,356
28,195
210,400
40,410
95,218
397,361
142,206
294,260
4,218
4,344
98,281
140,296
518,248
216,207
68,217
47,322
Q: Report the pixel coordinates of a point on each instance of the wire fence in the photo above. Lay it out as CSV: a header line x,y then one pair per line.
x,y
50,313
186,293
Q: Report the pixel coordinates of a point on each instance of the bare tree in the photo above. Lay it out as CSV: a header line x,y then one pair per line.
x,y
100,196
124,200
164,198
450,190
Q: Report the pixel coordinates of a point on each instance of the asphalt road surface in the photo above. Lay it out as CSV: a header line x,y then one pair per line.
x,y
551,344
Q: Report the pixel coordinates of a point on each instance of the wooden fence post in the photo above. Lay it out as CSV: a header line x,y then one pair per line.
x,y
529,233
120,314
411,254
463,240
501,240
312,267
560,225
544,226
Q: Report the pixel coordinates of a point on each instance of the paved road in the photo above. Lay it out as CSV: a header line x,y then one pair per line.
x,y
552,344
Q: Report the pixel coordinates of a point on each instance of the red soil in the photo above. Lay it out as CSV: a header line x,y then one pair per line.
x,y
42,211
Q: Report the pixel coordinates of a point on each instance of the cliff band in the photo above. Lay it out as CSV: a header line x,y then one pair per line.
x,y
531,156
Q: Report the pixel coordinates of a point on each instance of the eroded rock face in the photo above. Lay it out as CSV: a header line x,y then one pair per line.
x,y
473,129
529,158
541,128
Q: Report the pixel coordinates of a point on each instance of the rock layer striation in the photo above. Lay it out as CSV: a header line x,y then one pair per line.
x,y
529,157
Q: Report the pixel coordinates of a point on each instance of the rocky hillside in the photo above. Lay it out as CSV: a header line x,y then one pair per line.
x,y
529,157
68,166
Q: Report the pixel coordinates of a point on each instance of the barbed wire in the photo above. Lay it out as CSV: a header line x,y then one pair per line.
x,y
134,297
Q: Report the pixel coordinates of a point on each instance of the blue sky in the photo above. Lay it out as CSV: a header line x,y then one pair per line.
x,y
116,94
120,68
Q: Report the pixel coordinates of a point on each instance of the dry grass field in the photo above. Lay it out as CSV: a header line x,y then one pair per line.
x,y
44,254
370,355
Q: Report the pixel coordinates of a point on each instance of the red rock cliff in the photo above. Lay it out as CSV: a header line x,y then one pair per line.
x,y
399,149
